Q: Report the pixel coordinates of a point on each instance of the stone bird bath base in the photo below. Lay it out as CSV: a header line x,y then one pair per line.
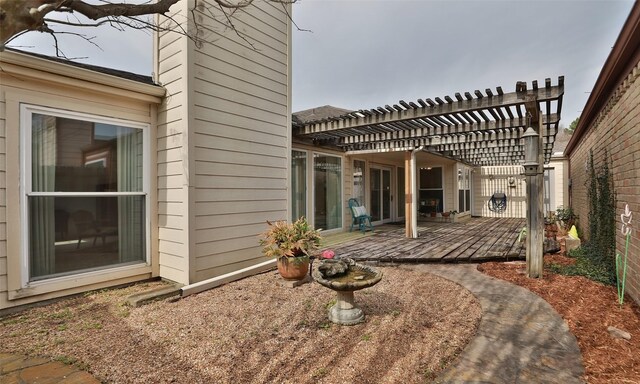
x,y
345,276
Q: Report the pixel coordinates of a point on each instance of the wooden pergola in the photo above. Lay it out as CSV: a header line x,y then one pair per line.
x,y
479,129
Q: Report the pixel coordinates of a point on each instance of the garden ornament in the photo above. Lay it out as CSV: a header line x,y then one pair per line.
x,y
626,231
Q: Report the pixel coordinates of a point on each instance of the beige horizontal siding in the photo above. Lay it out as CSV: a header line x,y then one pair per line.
x,y
230,232
261,57
238,219
172,163
240,156
242,107
212,118
49,90
223,142
233,144
204,194
206,64
488,180
210,208
247,257
234,88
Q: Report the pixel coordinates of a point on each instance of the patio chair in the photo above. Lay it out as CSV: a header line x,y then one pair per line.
x,y
87,227
359,216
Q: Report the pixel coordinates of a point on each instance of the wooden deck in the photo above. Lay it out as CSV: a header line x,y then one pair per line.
x,y
477,239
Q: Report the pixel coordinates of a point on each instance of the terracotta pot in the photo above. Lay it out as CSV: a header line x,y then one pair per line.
x,y
293,268
433,214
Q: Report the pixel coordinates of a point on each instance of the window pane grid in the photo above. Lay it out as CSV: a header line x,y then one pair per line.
x,y
85,195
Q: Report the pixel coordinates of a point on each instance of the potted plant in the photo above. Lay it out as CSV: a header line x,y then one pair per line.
x,y
291,244
450,213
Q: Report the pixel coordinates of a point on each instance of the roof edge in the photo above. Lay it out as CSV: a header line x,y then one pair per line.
x,y
27,61
623,57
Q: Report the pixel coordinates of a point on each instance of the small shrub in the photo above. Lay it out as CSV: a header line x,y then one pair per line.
x,y
589,263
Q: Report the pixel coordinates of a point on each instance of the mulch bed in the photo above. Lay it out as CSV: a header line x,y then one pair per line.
x,y
588,308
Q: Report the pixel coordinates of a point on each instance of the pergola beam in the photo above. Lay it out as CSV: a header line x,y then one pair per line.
x,y
489,120
359,118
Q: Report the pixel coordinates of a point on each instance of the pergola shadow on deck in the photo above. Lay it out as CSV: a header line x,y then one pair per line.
x,y
475,240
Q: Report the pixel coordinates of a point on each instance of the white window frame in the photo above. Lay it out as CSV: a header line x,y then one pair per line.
x,y
26,112
307,172
443,183
340,228
365,177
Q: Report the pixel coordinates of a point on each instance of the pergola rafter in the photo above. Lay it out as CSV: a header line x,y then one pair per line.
x,y
479,129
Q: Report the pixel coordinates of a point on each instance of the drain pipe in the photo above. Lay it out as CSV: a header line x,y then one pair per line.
x,y
414,197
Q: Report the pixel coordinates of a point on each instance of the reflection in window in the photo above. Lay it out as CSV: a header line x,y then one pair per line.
x,y
298,184
431,193
401,192
359,181
464,189
70,233
327,185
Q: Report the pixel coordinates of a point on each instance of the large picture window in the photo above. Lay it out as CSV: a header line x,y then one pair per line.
x,y
85,193
464,189
431,191
359,181
327,171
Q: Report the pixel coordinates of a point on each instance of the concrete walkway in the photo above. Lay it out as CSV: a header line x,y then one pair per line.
x,y
16,369
521,338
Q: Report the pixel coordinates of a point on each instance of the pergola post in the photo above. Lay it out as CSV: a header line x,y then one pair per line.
x,y
535,195
408,196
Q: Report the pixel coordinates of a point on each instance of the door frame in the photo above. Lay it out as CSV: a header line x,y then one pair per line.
x,y
382,168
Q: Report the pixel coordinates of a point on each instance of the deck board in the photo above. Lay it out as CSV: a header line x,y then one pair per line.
x,y
477,239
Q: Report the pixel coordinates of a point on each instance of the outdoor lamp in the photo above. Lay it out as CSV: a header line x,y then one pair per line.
x,y
531,143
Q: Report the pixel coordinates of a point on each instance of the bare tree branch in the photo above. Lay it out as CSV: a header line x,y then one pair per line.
x,y
21,16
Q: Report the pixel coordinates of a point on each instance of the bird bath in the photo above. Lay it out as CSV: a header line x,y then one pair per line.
x,y
345,276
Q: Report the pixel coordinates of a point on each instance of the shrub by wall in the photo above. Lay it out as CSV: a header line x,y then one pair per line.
x,y
614,133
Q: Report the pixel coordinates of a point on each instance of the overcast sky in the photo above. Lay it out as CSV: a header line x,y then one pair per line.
x,y
368,53
365,54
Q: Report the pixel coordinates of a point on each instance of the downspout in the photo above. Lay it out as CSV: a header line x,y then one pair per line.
x,y
414,197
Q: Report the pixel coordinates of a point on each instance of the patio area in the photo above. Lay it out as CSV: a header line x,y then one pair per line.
x,y
474,240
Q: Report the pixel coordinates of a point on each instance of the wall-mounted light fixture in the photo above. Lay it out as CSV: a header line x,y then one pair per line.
x,y
531,144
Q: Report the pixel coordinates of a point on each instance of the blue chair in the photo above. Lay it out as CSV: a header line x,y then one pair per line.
x,y
359,216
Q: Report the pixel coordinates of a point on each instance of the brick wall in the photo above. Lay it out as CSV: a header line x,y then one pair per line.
x,y
616,130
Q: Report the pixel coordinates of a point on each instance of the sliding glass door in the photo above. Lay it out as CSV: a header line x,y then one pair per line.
x,y
327,185
380,194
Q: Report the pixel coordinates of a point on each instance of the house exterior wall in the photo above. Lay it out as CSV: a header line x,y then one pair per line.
x,y
39,82
616,130
561,182
225,141
171,61
347,180
488,180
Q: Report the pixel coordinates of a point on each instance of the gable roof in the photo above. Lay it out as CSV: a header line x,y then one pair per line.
x,y
318,113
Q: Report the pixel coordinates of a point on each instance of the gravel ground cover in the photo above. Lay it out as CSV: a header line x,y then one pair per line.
x,y
255,331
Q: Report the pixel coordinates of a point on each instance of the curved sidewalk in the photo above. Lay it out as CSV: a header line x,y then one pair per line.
x,y
17,369
521,338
